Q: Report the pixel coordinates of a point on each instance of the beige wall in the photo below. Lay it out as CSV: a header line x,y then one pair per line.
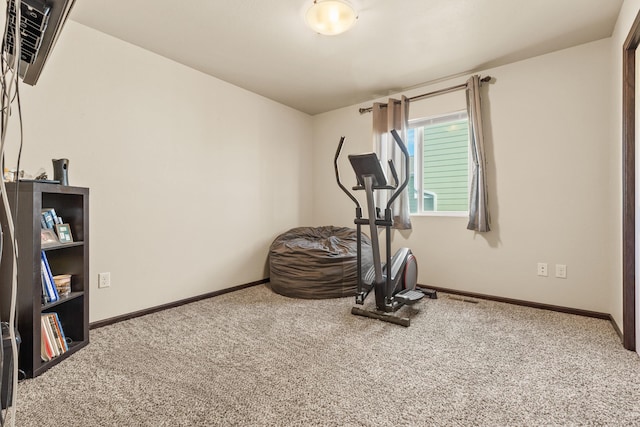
x,y
191,178
549,172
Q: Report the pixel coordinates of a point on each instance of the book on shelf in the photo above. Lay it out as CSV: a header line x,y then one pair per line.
x,y
46,350
50,287
63,339
57,339
49,218
43,352
48,290
56,218
46,327
53,334
43,280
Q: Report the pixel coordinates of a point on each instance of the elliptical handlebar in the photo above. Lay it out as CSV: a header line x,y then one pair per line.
x,y
335,166
394,173
405,152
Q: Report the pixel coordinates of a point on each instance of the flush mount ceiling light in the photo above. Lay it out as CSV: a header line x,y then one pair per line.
x,y
330,17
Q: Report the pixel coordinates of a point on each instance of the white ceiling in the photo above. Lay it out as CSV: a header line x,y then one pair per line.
x,y
265,47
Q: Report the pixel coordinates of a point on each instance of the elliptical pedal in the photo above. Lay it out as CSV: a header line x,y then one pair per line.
x,y
409,296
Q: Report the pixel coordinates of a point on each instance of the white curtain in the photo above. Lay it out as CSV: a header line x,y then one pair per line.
x,y
393,115
478,205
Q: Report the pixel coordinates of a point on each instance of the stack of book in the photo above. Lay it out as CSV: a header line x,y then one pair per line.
x,y
49,291
53,341
49,218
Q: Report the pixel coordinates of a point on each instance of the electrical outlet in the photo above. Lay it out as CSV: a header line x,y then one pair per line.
x,y
561,271
104,280
543,269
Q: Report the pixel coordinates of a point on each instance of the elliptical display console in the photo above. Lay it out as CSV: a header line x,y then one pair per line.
x,y
394,281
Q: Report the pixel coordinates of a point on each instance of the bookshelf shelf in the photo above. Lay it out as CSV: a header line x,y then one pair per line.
x,y
62,300
61,246
72,204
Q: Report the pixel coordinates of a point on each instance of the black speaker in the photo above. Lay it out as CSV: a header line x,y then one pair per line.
x,y
7,366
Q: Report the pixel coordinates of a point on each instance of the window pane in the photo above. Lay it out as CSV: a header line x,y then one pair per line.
x,y
429,202
446,166
411,186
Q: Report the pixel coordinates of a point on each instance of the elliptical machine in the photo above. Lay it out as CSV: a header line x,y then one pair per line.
x,y
393,287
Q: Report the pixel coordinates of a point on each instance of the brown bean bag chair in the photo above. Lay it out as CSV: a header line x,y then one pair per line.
x,y
317,262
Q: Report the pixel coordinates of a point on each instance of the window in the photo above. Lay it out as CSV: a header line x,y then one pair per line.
x,y
439,164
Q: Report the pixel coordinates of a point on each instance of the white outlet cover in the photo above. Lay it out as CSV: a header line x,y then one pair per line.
x,y
561,271
104,280
543,269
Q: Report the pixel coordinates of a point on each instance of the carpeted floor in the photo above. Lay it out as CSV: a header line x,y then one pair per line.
x,y
254,358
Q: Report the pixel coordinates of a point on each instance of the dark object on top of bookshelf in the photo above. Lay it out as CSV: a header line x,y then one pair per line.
x,y
61,170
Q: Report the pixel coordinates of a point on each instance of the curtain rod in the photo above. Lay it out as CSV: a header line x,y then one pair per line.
x,y
430,94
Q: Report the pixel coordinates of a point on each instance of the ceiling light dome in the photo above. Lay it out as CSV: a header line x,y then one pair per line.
x,y
330,17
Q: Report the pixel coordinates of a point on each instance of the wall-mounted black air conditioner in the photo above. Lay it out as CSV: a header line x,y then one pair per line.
x,y
40,24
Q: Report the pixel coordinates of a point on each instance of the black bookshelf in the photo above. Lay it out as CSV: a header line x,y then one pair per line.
x,y
72,204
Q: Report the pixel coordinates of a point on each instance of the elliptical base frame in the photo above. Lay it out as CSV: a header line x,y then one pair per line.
x,y
381,315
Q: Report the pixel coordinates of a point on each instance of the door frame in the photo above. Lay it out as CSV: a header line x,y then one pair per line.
x,y
628,185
